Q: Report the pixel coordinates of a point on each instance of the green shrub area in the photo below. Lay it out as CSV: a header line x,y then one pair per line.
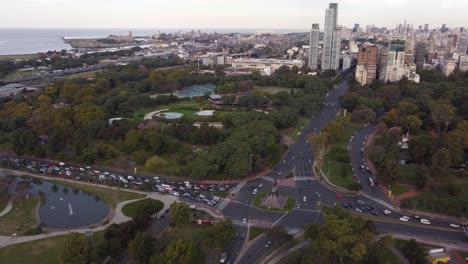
x,y
152,206
255,232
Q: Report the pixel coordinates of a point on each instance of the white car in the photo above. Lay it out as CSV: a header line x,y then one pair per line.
x,y
255,191
244,221
425,221
223,257
454,226
358,210
260,185
298,206
304,199
404,219
386,212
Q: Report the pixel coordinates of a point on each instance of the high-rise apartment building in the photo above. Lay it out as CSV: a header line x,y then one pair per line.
x,y
426,27
463,63
366,69
448,48
356,28
313,44
409,50
462,45
420,55
332,39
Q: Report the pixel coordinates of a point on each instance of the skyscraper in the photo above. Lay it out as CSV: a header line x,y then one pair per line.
x,y
313,44
394,69
356,28
426,27
332,39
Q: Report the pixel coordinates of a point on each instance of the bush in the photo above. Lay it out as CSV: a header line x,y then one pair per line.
x,y
452,189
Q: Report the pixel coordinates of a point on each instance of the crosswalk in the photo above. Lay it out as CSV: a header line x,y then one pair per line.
x,y
223,204
303,178
380,202
268,178
238,222
238,187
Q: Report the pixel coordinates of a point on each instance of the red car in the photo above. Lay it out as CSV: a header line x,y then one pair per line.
x,y
339,196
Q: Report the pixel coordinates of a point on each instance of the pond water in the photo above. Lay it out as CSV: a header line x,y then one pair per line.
x,y
170,115
64,207
196,90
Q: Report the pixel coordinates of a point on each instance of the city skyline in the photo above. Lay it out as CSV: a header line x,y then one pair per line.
x,y
254,14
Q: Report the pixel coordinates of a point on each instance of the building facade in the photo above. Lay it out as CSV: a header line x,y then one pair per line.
x,y
313,46
332,39
366,69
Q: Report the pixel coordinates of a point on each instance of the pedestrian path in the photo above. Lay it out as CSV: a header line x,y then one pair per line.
x,y
380,202
7,208
223,204
238,222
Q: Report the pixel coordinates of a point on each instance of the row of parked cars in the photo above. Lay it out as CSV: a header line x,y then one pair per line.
x,y
193,191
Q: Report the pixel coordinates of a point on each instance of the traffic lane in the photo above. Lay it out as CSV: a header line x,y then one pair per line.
x,y
422,231
255,252
234,246
298,218
239,211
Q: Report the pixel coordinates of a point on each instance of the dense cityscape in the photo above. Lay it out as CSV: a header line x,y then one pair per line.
x,y
333,145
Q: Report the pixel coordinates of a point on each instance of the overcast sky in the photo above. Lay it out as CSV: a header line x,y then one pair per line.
x,y
238,14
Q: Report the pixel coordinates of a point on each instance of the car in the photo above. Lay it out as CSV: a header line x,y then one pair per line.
x,y
425,221
223,257
360,202
304,199
358,210
260,185
454,226
255,191
268,244
375,213
317,194
339,196
387,212
244,221
298,206
404,219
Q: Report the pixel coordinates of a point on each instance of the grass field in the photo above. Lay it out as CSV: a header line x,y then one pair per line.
x,y
255,232
109,196
20,57
399,189
131,208
20,219
44,251
257,200
336,169
273,89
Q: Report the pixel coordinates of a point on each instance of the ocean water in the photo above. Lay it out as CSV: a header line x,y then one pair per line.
x,y
27,41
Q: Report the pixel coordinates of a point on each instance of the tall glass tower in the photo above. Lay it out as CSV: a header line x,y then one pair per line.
x,y
313,44
332,39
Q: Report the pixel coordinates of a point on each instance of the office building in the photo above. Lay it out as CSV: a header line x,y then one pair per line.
x,y
366,69
444,28
409,50
420,55
426,27
462,45
448,48
313,46
356,28
332,39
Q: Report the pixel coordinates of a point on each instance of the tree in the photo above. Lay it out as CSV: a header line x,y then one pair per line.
x,y
142,247
411,123
221,232
335,132
154,163
414,252
363,116
180,214
278,234
140,156
76,250
440,163
320,143
442,114
178,252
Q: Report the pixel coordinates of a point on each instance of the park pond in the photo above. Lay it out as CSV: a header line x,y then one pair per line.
x,y
64,206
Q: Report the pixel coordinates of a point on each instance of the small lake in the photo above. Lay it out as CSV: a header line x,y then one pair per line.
x,y
64,207
196,90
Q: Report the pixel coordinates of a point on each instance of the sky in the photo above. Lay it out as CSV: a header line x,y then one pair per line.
x,y
234,14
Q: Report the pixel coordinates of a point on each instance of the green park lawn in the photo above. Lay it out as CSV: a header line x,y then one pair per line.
x,y
438,201
398,189
339,172
255,232
273,89
257,200
21,219
44,251
131,208
110,196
